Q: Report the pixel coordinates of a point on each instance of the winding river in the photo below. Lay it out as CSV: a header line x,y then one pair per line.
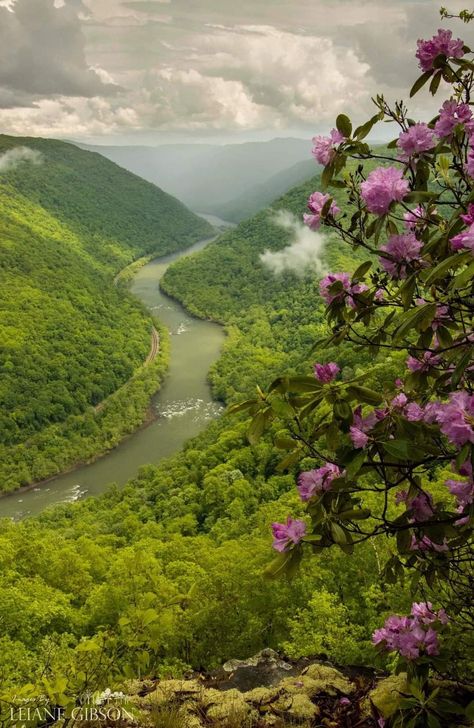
x,y
183,406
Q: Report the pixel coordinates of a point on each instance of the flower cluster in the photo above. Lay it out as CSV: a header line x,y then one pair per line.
x,y
401,250
416,139
464,240
456,418
414,635
316,203
324,147
347,289
382,187
451,115
317,481
440,44
326,373
463,490
286,534
360,426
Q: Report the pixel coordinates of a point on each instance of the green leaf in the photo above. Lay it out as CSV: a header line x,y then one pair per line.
x,y
420,82
364,394
463,278
440,270
284,443
343,124
286,562
338,534
404,541
401,449
241,406
290,460
470,710
327,175
434,85
362,131
257,427
420,196
407,291
360,272
354,514
355,464
417,317
461,367
343,411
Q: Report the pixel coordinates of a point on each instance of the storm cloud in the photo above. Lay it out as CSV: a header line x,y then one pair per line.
x,y
128,67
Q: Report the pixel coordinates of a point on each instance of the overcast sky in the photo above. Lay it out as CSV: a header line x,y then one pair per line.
x,y
141,71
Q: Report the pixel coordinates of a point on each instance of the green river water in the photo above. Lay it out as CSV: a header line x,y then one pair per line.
x,y
183,406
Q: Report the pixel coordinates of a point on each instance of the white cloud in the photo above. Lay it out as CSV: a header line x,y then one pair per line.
x,y
8,4
18,155
304,253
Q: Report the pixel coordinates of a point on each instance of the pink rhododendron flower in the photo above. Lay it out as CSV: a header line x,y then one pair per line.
x,y
413,412
414,217
470,163
440,44
417,139
425,613
324,147
325,373
361,425
421,506
450,115
463,490
426,544
442,315
316,203
284,534
468,218
464,240
427,362
379,294
349,290
403,249
399,401
382,187
414,635
358,437
317,480
456,418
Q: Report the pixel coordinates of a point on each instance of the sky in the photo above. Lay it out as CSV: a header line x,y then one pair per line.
x,y
154,71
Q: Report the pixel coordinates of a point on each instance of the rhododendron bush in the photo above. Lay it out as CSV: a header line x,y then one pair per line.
x,y
374,454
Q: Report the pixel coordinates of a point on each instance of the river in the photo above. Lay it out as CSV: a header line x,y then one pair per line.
x,y
183,406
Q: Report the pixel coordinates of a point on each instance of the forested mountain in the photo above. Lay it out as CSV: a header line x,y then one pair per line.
x,y
69,220
256,197
206,176
167,574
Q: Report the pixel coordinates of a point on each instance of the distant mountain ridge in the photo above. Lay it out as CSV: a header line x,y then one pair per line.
x,y
204,176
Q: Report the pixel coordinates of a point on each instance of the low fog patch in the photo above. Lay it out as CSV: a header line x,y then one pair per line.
x,y
303,254
19,155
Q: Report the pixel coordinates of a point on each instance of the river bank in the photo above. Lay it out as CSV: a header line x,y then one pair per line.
x,y
180,410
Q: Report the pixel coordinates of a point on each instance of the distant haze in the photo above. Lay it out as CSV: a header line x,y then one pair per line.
x,y
208,177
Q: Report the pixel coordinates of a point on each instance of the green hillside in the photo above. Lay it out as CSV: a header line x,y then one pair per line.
x,y
168,572
68,337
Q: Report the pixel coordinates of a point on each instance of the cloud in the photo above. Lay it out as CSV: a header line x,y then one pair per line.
x,y
42,51
214,66
19,155
304,253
